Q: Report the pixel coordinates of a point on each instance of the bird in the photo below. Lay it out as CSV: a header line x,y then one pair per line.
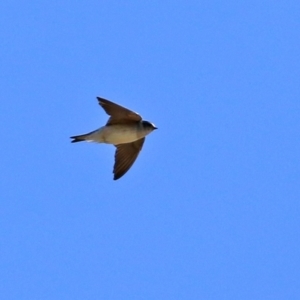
x,y
125,129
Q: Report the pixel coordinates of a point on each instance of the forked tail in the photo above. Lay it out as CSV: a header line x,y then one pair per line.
x,y
79,138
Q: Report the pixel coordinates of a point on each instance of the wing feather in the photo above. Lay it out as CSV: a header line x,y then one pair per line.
x,y
125,156
118,114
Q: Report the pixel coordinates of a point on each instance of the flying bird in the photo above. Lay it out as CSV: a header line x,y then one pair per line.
x,y
124,129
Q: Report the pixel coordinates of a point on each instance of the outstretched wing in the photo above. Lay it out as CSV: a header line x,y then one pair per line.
x,y
118,114
125,156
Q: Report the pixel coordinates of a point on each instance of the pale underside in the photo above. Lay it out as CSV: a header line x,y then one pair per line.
x,y
116,134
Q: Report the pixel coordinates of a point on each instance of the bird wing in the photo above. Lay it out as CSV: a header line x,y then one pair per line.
x,y
118,114
125,156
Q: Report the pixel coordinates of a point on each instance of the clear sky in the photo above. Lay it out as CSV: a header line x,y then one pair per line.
x,y
210,209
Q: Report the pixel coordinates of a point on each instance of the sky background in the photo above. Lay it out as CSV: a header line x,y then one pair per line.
x,y
210,209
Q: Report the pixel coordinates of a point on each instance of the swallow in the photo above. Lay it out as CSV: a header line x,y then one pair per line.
x,y
125,129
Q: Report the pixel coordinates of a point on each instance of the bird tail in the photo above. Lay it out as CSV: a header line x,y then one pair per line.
x,y
88,137
79,138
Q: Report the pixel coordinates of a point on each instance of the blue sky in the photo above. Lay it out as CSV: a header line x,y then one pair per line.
x,y
210,209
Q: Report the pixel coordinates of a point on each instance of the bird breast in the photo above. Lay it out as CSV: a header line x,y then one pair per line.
x,y
120,134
